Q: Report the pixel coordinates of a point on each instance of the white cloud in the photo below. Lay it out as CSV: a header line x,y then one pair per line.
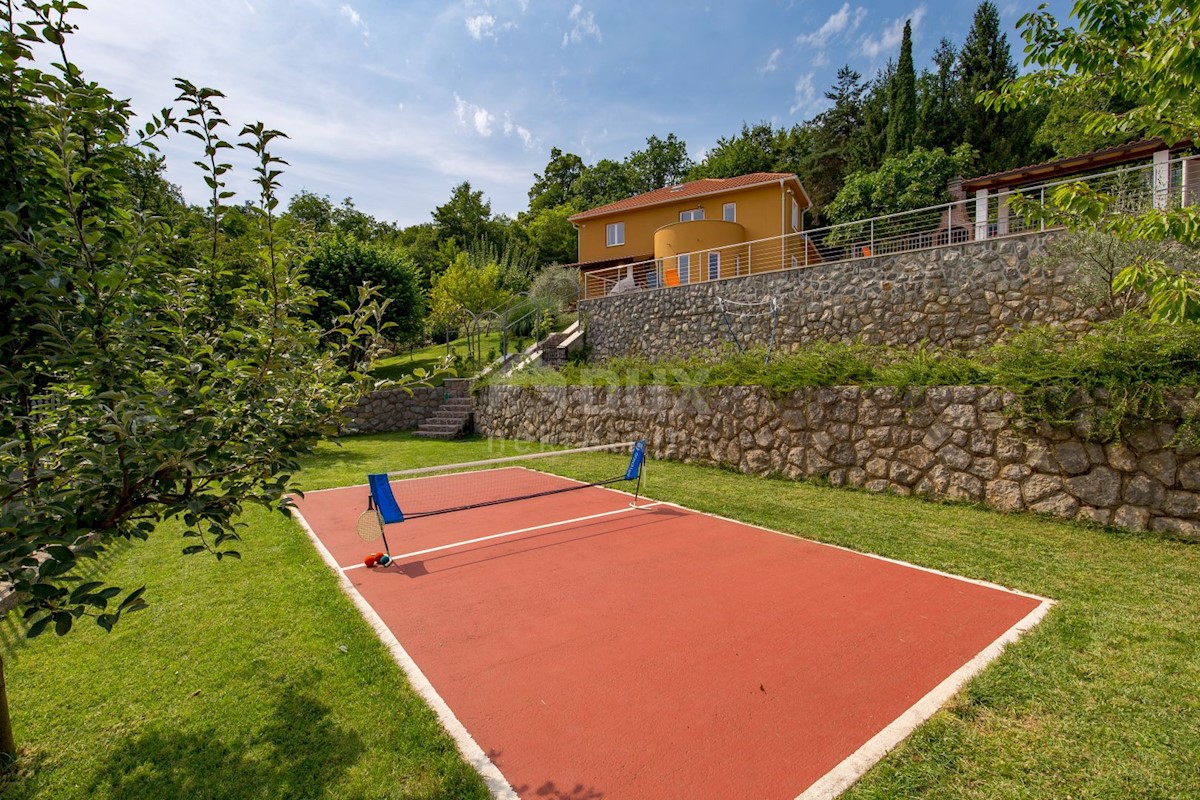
x,y
356,19
893,34
481,26
841,21
477,117
511,128
772,62
806,95
584,25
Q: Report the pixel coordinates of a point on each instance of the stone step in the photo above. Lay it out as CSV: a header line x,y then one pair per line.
x,y
437,425
435,435
447,418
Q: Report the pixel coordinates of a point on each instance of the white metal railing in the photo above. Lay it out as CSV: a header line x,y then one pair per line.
x,y
969,220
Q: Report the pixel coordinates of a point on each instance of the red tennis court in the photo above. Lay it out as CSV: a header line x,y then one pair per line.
x,y
587,649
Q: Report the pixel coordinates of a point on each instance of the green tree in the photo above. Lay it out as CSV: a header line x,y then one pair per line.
x,y
915,180
1144,52
824,165
940,123
902,112
664,162
755,149
463,294
867,145
1003,137
604,182
465,217
555,186
134,388
551,235
342,264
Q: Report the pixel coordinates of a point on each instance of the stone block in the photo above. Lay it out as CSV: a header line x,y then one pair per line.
x,y
937,435
1142,490
1072,457
1162,466
1188,474
954,457
1179,527
1183,504
1038,487
1059,505
1004,495
1101,487
1119,456
903,473
1131,518
917,456
960,415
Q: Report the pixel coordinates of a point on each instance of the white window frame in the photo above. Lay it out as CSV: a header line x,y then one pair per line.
x,y
714,265
729,212
691,214
795,214
683,266
614,234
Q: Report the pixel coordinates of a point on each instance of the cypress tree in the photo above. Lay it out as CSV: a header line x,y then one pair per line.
x,y
902,110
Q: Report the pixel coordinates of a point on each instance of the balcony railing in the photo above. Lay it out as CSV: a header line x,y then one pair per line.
x,y
969,220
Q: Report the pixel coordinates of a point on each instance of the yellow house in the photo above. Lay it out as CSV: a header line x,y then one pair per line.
x,y
703,230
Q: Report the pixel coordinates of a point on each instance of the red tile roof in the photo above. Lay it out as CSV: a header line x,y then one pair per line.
x,y
704,186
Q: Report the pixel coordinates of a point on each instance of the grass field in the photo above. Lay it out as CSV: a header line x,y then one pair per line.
x,y
235,683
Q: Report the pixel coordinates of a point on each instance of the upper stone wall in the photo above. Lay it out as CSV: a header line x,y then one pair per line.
x,y
963,296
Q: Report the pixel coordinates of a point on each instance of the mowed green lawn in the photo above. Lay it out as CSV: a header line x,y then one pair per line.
x,y
235,683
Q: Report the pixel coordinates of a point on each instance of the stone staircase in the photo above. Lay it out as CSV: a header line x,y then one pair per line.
x,y
454,417
552,354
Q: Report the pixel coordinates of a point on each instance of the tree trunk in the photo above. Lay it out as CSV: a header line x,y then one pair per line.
x,y
8,745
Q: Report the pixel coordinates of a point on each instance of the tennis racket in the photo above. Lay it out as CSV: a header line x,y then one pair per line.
x,y
369,528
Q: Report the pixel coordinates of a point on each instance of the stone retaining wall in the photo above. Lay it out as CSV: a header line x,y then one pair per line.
x,y
962,296
393,410
955,443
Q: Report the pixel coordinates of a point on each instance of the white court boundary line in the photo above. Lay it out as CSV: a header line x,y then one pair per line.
x,y
854,766
827,787
504,534
471,752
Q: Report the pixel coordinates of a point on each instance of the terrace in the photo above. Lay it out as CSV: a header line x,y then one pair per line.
x,y
1163,183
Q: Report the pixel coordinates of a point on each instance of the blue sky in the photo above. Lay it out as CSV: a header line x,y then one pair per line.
x,y
394,103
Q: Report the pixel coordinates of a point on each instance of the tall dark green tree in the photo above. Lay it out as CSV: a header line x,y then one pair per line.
x,y
902,112
939,99
1003,138
868,143
824,165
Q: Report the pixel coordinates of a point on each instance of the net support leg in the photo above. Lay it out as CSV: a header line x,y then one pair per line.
x,y
637,490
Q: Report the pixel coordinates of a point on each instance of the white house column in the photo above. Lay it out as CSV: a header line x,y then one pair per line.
x,y
1162,179
981,214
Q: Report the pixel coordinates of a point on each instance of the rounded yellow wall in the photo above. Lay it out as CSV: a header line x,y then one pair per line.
x,y
694,236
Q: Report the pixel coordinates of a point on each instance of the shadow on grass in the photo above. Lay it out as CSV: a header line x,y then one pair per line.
x,y
299,753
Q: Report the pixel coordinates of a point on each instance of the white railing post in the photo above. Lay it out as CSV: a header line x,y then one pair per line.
x,y
1042,216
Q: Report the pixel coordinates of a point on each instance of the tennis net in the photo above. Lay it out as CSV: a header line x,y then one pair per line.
x,y
427,491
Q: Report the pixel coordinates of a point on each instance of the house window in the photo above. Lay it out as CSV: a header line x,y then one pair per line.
x,y
729,212
688,216
714,266
685,269
795,215
615,234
